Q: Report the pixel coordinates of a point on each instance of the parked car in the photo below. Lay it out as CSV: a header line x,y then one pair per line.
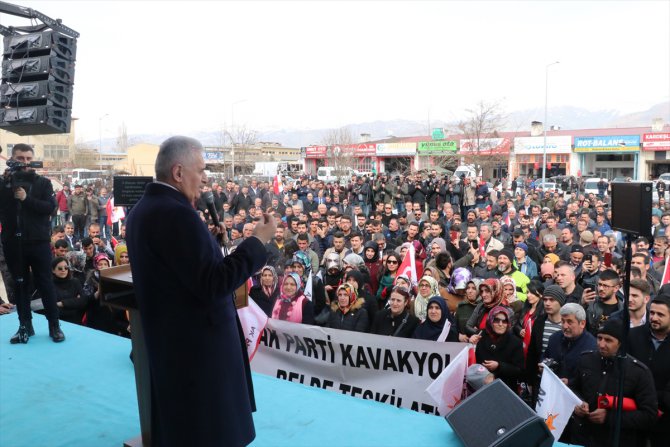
x,y
591,186
548,186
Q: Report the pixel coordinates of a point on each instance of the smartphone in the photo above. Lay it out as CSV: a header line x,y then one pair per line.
x,y
608,260
474,243
454,234
591,287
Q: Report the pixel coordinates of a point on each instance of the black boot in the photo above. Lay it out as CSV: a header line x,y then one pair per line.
x,y
29,327
55,333
21,336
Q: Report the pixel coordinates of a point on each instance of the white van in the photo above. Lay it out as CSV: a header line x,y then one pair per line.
x,y
331,174
467,171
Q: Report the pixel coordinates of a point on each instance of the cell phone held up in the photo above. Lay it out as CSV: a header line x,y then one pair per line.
x,y
474,243
608,260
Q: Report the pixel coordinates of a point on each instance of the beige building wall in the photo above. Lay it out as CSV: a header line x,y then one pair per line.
x,y
55,150
140,160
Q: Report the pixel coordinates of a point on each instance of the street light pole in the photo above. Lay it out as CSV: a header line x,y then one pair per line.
x,y
232,138
546,97
100,139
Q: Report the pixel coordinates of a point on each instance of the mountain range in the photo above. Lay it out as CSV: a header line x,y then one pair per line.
x,y
565,117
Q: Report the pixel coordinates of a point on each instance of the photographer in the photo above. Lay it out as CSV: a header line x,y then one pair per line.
x,y
26,202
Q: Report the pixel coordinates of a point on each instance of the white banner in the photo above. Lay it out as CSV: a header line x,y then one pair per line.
x,y
535,145
555,402
391,370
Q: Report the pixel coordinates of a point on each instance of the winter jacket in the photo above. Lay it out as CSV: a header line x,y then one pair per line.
x,y
402,325
507,351
356,319
36,210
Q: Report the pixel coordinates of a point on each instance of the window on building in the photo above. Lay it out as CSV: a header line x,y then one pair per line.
x,y
56,152
614,157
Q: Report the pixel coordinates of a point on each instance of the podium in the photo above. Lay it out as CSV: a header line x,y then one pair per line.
x,y
116,291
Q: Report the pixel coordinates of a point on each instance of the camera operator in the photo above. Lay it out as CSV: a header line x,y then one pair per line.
x,y
26,203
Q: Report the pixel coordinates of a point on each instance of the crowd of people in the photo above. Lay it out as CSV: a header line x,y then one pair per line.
x,y
532,278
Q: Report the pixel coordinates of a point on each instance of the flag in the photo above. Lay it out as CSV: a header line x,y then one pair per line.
x,y
109,207
666,272
253,321
408,265
555,402
445,331
308,288
277,185
447,389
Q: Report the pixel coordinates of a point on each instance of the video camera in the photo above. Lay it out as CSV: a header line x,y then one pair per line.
x,y
13,165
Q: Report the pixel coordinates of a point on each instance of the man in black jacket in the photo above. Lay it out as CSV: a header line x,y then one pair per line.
x,y
650,344
26,204
598,374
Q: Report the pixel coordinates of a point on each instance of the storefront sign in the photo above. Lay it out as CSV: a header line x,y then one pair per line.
x,y
485,146
355,150
535,145
213,156
437,134
315,151
610,143
656,142
437,147
390,370
396,149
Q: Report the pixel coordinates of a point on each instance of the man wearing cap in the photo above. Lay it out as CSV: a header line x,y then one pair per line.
x,y
523,263
506,267
597,375
650,343
544,327
586,238
576,258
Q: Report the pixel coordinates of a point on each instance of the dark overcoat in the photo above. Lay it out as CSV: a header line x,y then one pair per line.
x,y
202,391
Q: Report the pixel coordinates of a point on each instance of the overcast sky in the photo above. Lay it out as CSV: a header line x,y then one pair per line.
x,y
178,67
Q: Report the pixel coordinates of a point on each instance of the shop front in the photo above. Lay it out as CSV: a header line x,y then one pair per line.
x,y
656,155
529,156
490,154
608,156
360,157
440,153
315,157
396,157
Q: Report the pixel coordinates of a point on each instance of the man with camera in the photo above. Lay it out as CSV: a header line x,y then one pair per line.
x,y
26,203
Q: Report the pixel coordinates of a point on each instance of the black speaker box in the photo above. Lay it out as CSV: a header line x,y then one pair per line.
x,y
40,44
495,416
36,93
631,207
38,69
35,120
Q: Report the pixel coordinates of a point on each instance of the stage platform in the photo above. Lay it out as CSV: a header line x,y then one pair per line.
x,y
82,393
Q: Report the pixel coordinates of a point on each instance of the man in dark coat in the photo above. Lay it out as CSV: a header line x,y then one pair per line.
x,y
650,343
201,384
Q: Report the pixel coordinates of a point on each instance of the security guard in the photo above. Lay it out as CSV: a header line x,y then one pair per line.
x,y
598,375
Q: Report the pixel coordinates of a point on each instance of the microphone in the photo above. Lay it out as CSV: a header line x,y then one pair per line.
x,y
209,200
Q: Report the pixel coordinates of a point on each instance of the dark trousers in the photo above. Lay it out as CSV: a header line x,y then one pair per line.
x,y
79,221
36,258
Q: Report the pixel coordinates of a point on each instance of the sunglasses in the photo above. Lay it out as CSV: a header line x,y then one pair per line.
x,y
62,269
391,261
500,320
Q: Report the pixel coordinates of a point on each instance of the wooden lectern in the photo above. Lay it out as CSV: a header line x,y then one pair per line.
x,y
116,287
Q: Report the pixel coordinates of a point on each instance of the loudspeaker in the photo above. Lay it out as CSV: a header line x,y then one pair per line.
x,y
631,207
37,79
495,416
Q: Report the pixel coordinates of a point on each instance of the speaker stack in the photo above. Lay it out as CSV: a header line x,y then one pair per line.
x,y
37,80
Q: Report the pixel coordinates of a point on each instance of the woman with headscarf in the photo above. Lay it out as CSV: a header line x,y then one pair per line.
x,y
372,262
395,321
466,308
427,288
499,350
265,293
455,292
100,316
490,292
292,304
301,265
356,279
348,312
121,255
437,315
510,297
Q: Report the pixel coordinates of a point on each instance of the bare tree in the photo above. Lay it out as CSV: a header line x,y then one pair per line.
x,y
86,157
480,135
242,139
339,153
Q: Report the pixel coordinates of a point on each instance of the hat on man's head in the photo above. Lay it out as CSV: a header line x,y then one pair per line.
x,y
576,249
586,238
523,246
508,253
555,292
613,327
546,209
